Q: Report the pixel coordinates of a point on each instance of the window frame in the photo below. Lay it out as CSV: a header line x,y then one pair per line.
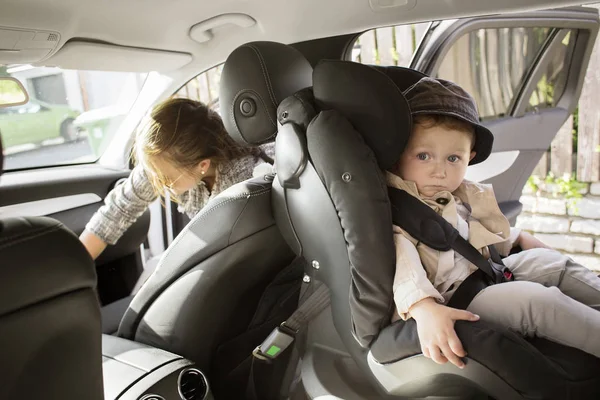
x,y
440,44
435,44
521,103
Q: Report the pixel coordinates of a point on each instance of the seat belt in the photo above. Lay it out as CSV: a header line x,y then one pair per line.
x,y
494,268
478,280
430,228
270,358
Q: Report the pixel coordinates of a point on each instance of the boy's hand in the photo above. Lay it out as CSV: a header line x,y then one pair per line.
x,y
528,242
435,325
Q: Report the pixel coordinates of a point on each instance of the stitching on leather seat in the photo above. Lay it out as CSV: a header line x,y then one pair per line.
x,y
265,72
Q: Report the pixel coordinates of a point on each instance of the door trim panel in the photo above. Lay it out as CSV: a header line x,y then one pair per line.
x,y
39,208
39,184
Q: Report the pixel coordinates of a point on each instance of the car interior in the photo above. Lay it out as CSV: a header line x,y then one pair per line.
x,y
179,307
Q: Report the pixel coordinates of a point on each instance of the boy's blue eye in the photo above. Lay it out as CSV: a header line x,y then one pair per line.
x,y
453,159
423,156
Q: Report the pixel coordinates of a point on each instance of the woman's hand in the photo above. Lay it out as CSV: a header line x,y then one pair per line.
x,y
435,325
93,244
528,242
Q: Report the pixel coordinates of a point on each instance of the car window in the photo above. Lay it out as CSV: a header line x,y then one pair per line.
x,y
393,45
492,65
70,118
552,84
204,87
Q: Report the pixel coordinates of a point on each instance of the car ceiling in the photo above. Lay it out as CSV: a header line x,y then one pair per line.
x,y
165,25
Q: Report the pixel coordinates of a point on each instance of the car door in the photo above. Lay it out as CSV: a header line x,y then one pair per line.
x,y
34,185
72,194
526,73
62,180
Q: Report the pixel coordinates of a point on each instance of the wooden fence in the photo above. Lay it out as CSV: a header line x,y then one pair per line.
x,y
574,151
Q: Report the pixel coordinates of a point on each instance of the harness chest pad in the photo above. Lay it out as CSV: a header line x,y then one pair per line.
x,y
420,221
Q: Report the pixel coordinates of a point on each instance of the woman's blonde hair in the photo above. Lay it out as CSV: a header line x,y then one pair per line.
x,y
183,132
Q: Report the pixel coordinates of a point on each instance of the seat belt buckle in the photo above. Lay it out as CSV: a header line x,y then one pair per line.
x,y
503,274
508,275
277,341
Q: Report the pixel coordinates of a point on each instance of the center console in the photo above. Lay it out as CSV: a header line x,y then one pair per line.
x,y
134,371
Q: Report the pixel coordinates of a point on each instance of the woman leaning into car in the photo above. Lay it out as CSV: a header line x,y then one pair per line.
x,y
184,150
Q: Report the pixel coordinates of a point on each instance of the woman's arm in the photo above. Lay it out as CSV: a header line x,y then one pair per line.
x,y
93,244
123,206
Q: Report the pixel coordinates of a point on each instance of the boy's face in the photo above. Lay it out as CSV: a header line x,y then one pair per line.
x,y
436,158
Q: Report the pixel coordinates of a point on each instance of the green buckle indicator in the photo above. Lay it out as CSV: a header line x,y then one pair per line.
x,y
277,341
273,350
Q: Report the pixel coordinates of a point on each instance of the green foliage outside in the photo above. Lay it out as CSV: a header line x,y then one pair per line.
x,y
566,186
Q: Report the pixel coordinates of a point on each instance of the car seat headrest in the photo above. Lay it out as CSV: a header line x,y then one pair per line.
x,y
371,99
256,77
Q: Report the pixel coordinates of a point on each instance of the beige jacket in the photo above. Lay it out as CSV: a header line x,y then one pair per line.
x,y
423,272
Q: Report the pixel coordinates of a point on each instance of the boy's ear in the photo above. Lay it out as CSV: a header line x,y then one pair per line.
x,y
472,155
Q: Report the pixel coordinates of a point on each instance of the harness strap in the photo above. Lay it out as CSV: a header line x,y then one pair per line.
x,y
494,269
430,228
466,292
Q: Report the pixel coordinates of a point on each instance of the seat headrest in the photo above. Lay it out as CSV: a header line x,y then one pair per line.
x,y
256,77
371,99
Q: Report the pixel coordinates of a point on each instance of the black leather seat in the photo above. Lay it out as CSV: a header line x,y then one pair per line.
x,y
207,285
49,313
330,202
